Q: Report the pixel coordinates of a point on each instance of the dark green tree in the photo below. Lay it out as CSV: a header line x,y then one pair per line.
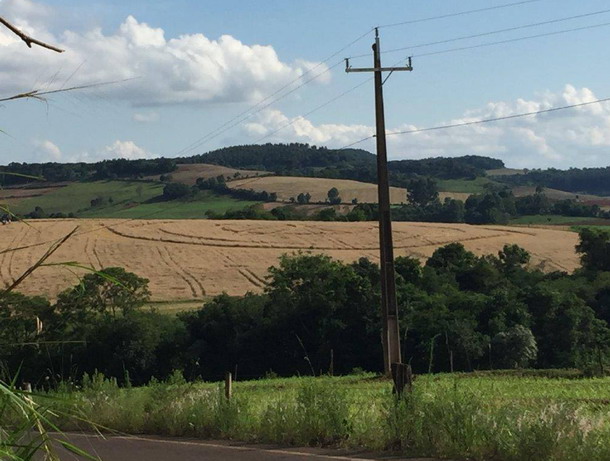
x,y
422,191
333,196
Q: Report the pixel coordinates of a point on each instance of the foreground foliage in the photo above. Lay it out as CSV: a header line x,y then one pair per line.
x,y
481,416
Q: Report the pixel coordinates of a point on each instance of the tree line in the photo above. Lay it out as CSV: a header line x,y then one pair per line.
x,y
458,312
23,173
578,180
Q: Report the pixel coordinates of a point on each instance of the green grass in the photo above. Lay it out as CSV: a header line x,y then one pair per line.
x,y
131,199
558,220
77,196
501,416
474,186
205,201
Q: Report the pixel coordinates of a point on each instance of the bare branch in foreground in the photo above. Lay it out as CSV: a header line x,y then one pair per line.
x,y
29,41
52,249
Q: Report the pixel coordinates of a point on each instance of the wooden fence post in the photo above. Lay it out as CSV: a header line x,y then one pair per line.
x,y
228,386
403,378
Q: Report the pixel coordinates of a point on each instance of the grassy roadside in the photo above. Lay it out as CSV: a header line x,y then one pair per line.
x,y
480,416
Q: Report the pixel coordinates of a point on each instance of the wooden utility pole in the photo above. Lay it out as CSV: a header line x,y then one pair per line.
x,y
389,308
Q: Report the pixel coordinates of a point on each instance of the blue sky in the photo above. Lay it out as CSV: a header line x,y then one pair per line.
x,y
197,64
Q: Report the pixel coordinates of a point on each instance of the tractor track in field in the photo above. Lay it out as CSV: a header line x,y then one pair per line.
x,y
241,244
186,273
169,263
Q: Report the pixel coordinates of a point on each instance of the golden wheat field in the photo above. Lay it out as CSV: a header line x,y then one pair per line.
x,y
190,172
289,186
188,259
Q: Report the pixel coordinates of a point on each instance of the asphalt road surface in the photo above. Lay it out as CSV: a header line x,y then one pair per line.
x,y
129,448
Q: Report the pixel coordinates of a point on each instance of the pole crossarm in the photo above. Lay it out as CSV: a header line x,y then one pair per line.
x,y
348,68
383,69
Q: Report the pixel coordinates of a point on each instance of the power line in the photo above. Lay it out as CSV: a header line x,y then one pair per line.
x,y
497,119
260,109
460,13
512,40
321,106
206,137
482,121
493,32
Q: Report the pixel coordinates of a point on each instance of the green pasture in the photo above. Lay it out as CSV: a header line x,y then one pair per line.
x,y
130,199
467,186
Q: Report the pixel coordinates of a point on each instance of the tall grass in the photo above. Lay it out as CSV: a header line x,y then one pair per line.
x,y
481,418
26,429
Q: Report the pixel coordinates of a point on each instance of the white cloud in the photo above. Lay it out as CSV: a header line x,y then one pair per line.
x,y
146,117
47,151
575,137
125,149
118,149
186,69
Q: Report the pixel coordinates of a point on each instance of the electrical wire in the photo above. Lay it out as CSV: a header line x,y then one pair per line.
x,y
485,34
482,121
497,119
459,13
260,109
207,137
453,50
512,40
321,106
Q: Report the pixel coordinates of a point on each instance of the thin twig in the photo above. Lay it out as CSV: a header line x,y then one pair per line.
x,y
37,94
27,39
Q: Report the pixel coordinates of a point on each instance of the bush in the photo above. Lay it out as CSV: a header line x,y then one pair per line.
x,y
174,190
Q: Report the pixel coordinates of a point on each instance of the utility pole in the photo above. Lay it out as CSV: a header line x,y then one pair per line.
x,y
389,308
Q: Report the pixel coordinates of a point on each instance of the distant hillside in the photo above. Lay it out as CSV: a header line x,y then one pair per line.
x,y
354,164
281,157
586,180
189,173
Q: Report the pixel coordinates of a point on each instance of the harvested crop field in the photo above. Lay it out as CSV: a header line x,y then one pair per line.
x,y
289,186
189,173
18,193
189,259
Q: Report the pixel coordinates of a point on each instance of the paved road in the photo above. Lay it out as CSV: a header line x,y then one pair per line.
x,y
163,449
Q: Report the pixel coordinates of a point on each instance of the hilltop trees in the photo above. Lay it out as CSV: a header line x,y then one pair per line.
x,y
422,191
333,196
303,198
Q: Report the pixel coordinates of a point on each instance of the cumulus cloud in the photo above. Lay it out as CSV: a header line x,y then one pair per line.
x,y
575,137
47,151
186,69
118,149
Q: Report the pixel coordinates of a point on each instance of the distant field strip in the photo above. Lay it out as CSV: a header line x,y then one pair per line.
x,y
190,259
287,187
